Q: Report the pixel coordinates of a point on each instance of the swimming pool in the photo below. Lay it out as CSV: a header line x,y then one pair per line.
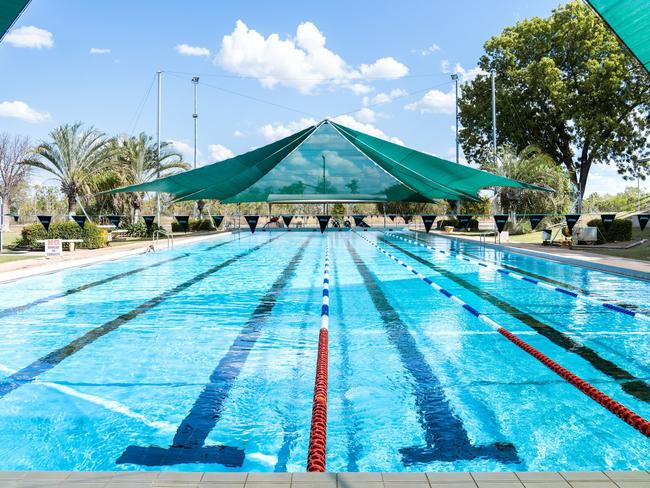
x,y
202,358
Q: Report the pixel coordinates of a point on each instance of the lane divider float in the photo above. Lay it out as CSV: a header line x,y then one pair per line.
x,y
527,279
316,456
618,409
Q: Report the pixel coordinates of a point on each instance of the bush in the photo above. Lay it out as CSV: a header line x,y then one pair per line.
x,y
93,237
620,230
195,225
139,229
472,224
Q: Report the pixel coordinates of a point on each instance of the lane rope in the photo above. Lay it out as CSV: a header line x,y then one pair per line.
x,y
527,279
618,409
316,457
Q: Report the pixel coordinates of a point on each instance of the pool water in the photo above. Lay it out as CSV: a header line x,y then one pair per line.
x,y
202,358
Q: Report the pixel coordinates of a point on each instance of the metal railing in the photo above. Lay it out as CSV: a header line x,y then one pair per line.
x,y
162,232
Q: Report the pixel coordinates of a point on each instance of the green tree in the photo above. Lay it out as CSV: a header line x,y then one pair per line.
x,y
139,163
565,85
74,156
531,165
15,151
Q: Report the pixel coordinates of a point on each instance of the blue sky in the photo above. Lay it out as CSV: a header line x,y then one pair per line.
x,y
266,68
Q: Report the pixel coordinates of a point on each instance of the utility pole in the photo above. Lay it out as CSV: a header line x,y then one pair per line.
x,y
494,134
159,73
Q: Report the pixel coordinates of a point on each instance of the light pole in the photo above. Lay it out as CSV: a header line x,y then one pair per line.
x,y
454,78
159,73
494,134
195,115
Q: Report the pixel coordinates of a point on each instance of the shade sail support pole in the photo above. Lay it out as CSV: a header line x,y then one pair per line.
x,y
159,77
494,134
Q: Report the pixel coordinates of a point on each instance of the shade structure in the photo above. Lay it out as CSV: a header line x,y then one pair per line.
x,y
329,162
9,12
630,21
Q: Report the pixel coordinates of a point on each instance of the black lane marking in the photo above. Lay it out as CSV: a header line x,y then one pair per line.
x,y
49,361
188,443
445,436
14,310
629,383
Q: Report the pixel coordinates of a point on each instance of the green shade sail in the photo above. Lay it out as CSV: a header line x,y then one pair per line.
x,y
329,163
630,21
9,12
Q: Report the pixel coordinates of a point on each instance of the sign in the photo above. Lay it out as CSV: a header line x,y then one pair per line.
x,y
148,221
501,221
571,221
217,219
114,220
16,218
53,247
358,219
45,221
392,217
463,221
323,220
428,221
407,218
80,220
287,219
535,220
183,221
251,220
643,220
607,220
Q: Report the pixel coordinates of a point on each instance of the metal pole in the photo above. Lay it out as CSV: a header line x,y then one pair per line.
x,y
159,73
494,133
454,77
195,116
2,221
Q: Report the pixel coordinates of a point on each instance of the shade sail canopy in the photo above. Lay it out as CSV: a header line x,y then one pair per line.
x,y
329,163
9,12
630,21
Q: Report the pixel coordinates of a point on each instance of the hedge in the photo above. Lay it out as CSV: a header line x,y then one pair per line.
x,y
620,230
139,229
472,225
195,225
93,237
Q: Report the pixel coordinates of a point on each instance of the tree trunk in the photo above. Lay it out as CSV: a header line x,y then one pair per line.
x,y
72,203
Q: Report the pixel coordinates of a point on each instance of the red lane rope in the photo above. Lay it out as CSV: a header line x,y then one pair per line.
x,y
316,457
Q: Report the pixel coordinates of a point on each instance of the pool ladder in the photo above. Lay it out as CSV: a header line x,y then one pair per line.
x,y
163,232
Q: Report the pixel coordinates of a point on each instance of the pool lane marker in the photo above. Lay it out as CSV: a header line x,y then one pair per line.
x,y
316,457
527,279
445,437
621,411
71,291
42,365
188,445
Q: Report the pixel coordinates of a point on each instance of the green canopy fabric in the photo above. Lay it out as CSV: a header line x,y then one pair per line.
x,y
9,12
329,163
630,21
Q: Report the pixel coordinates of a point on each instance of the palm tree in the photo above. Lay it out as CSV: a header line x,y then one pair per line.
x,y
74,156
533,166
139,162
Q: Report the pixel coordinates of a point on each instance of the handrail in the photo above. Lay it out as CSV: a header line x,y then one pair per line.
x,y
169,235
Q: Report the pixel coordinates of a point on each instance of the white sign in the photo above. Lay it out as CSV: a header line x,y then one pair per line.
x,y
53,247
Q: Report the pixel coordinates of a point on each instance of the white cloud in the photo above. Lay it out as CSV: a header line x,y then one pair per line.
x,y
30,37
445,66
430,50
365,115
468,75
604,179
435,102
20,110
219,152
187,50
99,50
384,68
353,123
302,62
274,132
184,148
238,133
382,98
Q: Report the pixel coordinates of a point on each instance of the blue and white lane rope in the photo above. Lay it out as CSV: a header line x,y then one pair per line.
x,y
317,453
520,277
624,413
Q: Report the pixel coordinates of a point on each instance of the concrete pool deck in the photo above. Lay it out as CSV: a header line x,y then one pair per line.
x,y
169,479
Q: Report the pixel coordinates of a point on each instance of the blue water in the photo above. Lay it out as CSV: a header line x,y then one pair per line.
x,y
203,358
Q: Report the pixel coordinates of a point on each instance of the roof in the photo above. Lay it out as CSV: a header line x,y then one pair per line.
x,y
630,21
9,12
329,162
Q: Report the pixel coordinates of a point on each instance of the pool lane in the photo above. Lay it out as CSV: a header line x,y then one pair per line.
x,y
630,383
52,359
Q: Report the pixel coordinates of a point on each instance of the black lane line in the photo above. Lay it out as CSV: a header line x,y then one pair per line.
x,y
445,435
14,310
49,361
188,444
629,383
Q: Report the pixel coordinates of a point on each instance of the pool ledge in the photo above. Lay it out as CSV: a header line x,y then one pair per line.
x,y
154,479
631,268
84,257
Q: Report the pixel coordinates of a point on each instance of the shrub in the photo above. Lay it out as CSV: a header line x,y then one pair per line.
x,y
620,230
195,225
139,229
471,225
93,237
